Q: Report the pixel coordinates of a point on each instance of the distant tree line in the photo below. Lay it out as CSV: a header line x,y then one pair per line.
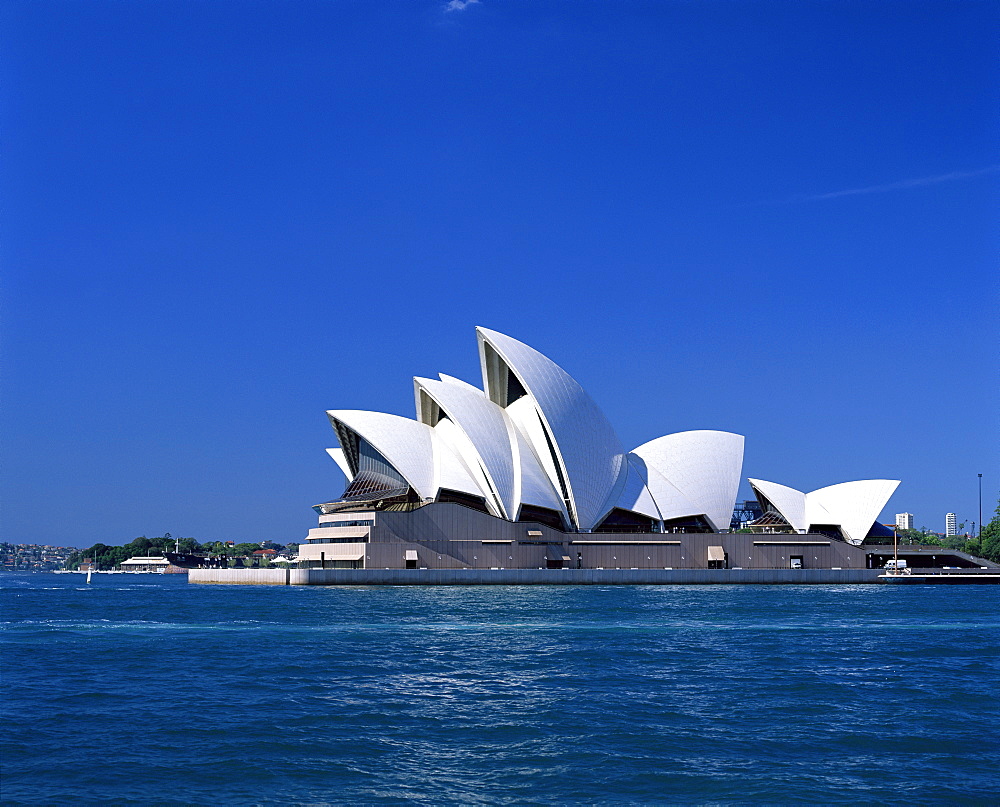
x,y
987,545
109,557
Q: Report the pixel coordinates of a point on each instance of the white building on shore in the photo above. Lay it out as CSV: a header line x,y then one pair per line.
x,y
529,466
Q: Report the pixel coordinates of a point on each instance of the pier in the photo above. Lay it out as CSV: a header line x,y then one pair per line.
x,y
521,577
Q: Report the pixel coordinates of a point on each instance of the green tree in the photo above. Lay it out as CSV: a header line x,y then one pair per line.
x,y
189,545
989,540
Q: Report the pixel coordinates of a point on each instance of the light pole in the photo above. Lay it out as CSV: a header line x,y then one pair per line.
x,y
980,506
895,548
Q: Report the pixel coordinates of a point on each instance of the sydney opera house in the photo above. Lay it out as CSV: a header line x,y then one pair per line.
x,y
527,472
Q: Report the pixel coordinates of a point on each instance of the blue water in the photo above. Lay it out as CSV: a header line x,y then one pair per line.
x,y
148,690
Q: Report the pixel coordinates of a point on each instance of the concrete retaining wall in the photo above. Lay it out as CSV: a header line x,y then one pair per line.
x,y
250,577
516,577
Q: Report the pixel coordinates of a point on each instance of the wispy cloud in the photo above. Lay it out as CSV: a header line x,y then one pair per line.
x,y
893,186
459,5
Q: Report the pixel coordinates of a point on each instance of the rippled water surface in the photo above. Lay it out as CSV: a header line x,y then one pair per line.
x,y
145,689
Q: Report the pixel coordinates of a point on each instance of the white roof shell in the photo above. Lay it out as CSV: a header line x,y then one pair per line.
x,y
635,495
502,460
337,455
412,448
587,450
705,466
791,503
488,430
852,506
670,501
534,486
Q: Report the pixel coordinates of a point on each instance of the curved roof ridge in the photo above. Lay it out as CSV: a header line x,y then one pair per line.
x,y
590,457
854,506
485,425
411,448
791,503
450,379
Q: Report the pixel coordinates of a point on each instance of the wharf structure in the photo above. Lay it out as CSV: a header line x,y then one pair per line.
x,y
445,535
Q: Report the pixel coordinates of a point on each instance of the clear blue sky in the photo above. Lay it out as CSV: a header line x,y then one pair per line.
x,y
221,219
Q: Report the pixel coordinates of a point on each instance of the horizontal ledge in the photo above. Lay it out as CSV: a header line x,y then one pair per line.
x,y
629,543
791,543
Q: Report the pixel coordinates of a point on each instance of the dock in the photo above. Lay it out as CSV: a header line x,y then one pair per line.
x,y
522,577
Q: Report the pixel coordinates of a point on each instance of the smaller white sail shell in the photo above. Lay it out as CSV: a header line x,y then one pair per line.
x,y
534,487
791,503
488,430
854,506
635,495
337,455
704,465
411,448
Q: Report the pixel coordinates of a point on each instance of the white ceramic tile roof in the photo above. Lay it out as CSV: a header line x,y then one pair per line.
x,y
450,472
791,503
533,484
487,428
853,505
635,495
450,379
411,448
670,501
704,465
515,454
589,452
337,455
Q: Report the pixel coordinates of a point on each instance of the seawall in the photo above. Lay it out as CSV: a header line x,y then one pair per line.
x,y
520,577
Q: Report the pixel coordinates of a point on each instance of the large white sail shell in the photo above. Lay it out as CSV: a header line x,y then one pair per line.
x,y
589,458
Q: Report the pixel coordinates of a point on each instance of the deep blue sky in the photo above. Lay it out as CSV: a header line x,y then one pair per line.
x,y
221,219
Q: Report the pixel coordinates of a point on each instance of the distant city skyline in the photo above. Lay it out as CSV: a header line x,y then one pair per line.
x,y
746,217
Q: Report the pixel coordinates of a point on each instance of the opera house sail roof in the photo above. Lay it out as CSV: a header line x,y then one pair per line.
x,y
847,510
531,445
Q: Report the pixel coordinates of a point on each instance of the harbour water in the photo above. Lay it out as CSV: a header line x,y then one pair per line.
x,y
143,689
